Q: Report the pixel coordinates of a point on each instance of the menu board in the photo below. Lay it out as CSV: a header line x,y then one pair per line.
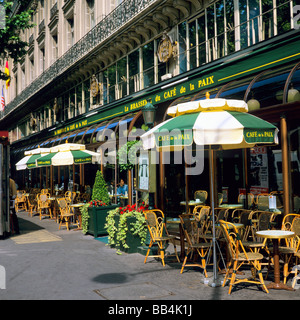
x,y
259,180
144,171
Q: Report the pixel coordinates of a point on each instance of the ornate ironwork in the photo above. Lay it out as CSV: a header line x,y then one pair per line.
x,y
127,10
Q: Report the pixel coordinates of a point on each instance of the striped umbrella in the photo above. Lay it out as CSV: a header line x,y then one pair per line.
x,y
68,154
211,122
29,161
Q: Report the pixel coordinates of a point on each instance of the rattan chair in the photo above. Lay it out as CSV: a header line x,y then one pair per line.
x,y
159,234
191,232
202,216
65,214
70,198
32,204
246,202
20,201
240,257
44,205
242,216
291,222
262,201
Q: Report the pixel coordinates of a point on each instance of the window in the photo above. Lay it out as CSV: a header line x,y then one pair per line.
x,y
79,98
90,14
148,64
192,45
54,48
182,47
86,92
42,60
283,16
23,81
134,71
16,85
66,106
122,79
72,106
31,70
42,10
70,32
228,26
111,83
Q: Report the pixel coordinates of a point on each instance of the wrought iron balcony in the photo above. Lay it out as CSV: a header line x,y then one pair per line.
x,y
122,14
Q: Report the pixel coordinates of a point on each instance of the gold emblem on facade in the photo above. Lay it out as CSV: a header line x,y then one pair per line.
x,y
94,86
165,49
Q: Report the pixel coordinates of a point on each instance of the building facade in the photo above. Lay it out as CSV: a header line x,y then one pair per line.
x,y
91,64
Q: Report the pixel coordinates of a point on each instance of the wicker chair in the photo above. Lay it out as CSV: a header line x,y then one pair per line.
x,y
191,232
32,204
291,222
250,199
262,201
20,201
202,216
159,234
240,257
44,205
65,214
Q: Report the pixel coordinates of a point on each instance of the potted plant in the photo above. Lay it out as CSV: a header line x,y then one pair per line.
x,y
126,155
126,228
94,213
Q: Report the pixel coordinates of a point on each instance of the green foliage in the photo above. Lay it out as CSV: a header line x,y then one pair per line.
x,y
11,44
84,217
100,191
126,156
117,233
100,198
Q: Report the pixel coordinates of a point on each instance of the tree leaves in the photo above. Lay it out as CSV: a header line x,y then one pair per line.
x,y
11,43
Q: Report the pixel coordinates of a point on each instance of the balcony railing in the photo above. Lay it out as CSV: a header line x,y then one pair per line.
x,y
122,14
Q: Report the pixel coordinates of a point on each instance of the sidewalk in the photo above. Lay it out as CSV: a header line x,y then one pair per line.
x,y
44,263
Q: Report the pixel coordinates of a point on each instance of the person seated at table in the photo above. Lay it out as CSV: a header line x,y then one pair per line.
x,y
123,188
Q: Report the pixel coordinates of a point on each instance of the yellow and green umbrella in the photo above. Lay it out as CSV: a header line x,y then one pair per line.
x,y
225,124
29,161
68,154
217,123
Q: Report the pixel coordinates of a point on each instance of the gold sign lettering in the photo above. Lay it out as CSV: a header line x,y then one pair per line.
x,y
169,94
205,81
138,104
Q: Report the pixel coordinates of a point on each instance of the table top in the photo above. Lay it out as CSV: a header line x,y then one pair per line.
x,y
119,196
275,234
191,203
173,220
77,205
231,206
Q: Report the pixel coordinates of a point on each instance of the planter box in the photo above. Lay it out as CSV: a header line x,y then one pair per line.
x,y
97,219
133,241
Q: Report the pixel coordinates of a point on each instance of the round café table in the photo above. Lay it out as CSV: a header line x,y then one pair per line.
x,y
231,206
181,235
191,203
275,235
78,213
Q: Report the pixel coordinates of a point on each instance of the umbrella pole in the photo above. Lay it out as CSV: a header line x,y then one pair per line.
x,y
215,282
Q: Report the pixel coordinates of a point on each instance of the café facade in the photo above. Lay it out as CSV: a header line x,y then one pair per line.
x,y
99,108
